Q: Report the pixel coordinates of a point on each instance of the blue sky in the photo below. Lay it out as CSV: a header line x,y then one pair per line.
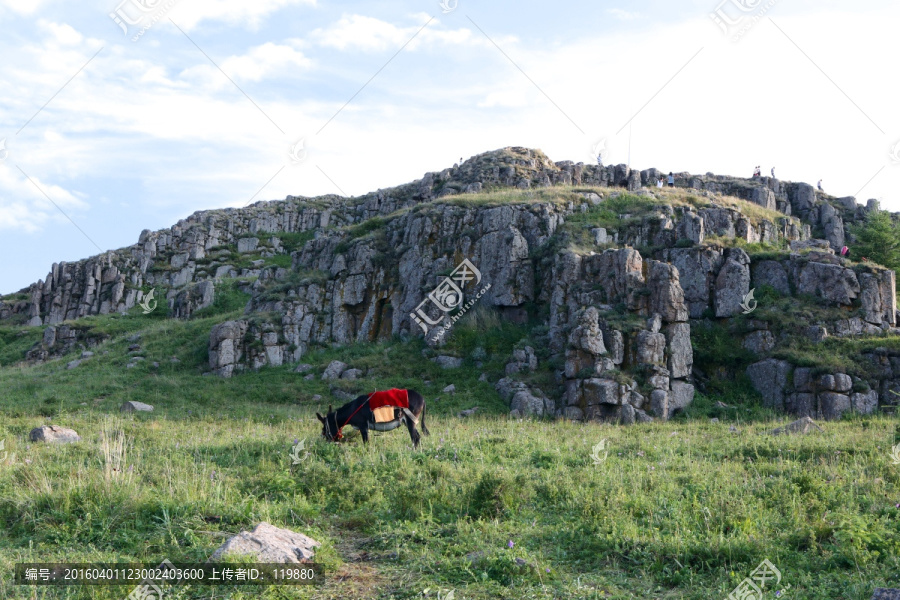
x,y
146,132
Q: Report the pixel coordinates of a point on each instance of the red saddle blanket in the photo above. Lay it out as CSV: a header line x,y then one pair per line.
x,y
394,397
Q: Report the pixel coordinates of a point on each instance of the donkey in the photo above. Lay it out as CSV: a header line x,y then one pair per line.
x,y
358,414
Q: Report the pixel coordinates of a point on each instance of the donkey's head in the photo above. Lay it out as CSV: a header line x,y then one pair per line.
x,y
330,430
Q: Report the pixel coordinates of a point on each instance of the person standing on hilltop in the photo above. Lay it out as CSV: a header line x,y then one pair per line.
x,y
820,186
671,179
773,172
659,182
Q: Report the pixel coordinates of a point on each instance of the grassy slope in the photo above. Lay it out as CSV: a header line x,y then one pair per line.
x,y
678,510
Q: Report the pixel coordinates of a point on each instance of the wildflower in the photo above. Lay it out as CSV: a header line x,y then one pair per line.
x,y
296,441
510,544
212,475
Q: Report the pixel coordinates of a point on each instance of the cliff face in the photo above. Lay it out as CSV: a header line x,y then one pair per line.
x,y
619,276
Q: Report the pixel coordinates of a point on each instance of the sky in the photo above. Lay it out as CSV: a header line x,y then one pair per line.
x,y
123,115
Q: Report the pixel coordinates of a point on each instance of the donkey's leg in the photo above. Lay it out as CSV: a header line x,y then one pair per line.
x,y
364,431
413,434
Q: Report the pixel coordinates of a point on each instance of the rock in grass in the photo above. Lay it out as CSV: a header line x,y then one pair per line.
x,y
132,406
73,364
303,368
448,362
450,389
352,374
804,426
269,544
467,413
334,370
886,594
54,434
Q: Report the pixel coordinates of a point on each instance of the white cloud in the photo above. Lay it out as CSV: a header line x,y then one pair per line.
x,y
190,13
359,32
23,7
62,33
623,15
268,59
24,207
365,33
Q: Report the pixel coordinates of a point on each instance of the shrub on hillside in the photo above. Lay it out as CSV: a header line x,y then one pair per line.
x,y
878,239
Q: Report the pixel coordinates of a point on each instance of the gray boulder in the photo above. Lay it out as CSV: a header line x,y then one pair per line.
x,y
334,370
680,351
697,268
864,403
225,348
448,362
803,426
666,295
732,283
680,396
659,403
134,406
352,374
268,544
801,404
615,344
528,403
650,348
54,434
601,391
247,244
832,405
830,282
587,336
524,359
770,378
803,379
771,273
759,342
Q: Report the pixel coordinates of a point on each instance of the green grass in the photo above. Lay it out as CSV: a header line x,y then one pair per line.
x,y
488,506
679,510
15,341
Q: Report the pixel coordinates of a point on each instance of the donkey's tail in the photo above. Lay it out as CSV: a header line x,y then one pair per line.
x,y
424,429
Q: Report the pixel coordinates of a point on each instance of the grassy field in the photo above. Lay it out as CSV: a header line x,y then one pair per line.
x,y
488,507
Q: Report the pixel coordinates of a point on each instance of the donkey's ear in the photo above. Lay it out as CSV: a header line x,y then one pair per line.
x,y
330,410
321,418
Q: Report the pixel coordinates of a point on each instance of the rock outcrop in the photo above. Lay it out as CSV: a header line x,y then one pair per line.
x,y
388,264
799,391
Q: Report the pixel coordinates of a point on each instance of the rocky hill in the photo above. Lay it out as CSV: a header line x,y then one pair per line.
x,y
612,273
